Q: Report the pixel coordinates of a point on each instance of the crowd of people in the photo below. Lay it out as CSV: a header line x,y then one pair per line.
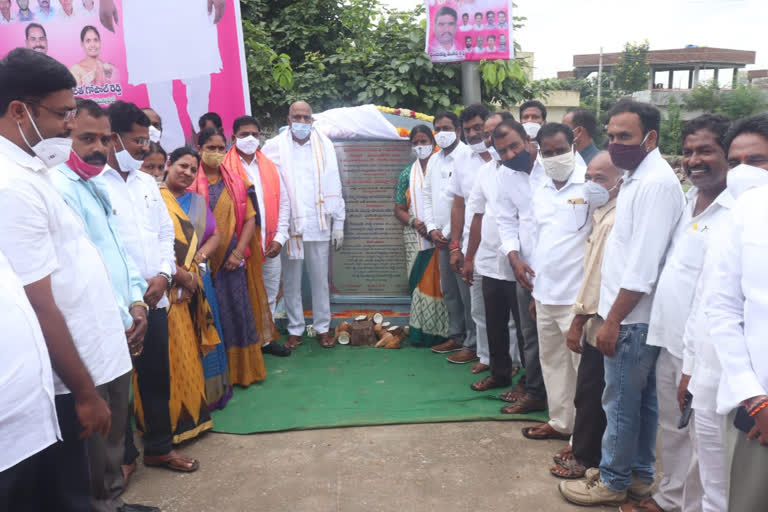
x,y
633,307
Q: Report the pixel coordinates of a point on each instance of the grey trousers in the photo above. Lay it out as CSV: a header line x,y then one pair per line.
x,y
105,454
534,379
748,466
458,300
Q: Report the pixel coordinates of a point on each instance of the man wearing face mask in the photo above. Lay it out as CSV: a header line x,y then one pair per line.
x,y
519,173
273,204
147,233
155,125
86,193
496,282
583,123
734,306
64,277
306,161
533,115
562,222
460,186
647,211
438,199
600,191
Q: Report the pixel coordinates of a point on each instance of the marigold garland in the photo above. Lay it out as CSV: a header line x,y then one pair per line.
x,y
404,112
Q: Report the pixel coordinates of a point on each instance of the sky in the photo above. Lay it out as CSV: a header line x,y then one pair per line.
x,y
558,29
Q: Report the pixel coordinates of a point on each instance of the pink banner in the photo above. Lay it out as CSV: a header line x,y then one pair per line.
x,y
172,55
469,30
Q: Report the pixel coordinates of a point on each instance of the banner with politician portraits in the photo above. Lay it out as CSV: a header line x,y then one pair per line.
x,y
181,57
469,30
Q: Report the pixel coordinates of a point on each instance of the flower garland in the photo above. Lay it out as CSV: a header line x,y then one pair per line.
x,y
404,112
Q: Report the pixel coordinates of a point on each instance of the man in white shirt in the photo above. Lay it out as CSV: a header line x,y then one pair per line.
x,y
649,205
306,161
7,18
437,216
520,172
459,189
274,209
443,46
736,307
146,230
482,270
62,272
562,222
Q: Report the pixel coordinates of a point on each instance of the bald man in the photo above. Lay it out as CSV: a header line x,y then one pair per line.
x,y
306,160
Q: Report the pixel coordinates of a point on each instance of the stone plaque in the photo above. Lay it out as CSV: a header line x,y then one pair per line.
x,y
371,265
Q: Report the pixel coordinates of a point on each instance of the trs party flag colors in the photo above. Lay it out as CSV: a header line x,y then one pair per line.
x,y
469,30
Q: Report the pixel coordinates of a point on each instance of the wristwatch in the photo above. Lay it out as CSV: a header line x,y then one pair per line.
x,y
167,278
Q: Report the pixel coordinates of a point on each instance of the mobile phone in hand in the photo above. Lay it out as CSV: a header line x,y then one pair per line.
x,y
685,417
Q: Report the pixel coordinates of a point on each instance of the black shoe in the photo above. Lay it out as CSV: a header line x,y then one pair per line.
x,y
137,508
275,349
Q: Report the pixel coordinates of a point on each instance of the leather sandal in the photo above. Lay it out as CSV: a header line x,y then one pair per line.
x,y
292,342
172,460
488,383
525,405
544,431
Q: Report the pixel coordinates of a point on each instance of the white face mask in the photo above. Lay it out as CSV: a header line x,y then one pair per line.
x,y
744,177
596,195
301,130
559,167
532,129
478,148
445,139
422,152
154,134
52,151
125,160
247,145
494,154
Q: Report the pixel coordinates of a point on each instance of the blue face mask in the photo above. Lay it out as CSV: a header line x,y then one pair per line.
x,y
521,162
301,130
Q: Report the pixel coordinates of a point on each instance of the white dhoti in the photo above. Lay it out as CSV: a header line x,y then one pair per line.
x,y
316,258
270,274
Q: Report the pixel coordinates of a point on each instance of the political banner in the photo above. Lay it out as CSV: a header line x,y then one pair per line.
x,y
176,56
469,30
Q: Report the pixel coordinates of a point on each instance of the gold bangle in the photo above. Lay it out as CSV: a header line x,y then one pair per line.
x,y
138,303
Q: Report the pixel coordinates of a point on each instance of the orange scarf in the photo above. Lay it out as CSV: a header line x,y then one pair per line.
x,y
270,185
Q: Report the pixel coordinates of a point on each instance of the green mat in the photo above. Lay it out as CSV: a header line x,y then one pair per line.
x,y
353,386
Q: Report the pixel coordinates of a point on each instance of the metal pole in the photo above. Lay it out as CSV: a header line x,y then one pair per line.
x,y
470,83
599,81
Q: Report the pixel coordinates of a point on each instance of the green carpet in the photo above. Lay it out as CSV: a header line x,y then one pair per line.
x,y
353,386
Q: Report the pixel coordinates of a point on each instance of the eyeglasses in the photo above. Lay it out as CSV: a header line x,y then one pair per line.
x,y
67,115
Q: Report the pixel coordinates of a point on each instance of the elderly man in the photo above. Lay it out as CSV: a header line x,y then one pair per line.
x,y
736,308
583,123
647,211
63,273
600,191
274,209
86,193
306,161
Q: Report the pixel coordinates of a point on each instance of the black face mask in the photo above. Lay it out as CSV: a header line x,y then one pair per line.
x,y
521,162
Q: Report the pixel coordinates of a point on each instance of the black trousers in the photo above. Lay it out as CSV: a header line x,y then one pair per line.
x,y
500,299
57,478
153,376
590,422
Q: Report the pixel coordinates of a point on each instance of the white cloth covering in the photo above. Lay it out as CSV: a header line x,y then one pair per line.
x,y
363,122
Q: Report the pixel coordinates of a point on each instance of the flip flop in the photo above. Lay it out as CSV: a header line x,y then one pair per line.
x,y
167,462
550,435
574,470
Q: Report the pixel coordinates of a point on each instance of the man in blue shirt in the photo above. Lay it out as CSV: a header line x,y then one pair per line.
x,y
80,184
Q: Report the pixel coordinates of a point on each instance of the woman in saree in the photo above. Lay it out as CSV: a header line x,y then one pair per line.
x,y
429,316
235,266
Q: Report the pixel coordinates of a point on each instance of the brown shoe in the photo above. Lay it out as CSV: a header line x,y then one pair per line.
x,y
292,342
463,357
647,505
326,341
447,347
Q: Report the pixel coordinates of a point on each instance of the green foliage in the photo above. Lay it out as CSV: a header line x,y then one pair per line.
x,y
632,71
335,53
671,140
738,103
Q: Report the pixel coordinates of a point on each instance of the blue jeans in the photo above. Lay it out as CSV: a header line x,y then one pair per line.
x,y
631,410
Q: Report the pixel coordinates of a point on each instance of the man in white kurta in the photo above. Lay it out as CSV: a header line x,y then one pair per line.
x,y
306,161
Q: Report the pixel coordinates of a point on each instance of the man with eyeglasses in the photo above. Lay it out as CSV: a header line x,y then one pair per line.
x,y
147,231
562,221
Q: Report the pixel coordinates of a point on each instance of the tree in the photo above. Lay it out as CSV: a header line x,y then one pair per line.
x,y
633,71
738,103
671,138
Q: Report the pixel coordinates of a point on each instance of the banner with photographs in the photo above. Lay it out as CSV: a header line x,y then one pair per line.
x,y
181,57
469,30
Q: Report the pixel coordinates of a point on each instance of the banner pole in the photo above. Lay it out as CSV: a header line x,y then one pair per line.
x,y
470,83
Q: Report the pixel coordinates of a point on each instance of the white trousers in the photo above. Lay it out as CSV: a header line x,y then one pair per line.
x,y
559,365
680,488
478,315
161,100
316,259
710,447
270,274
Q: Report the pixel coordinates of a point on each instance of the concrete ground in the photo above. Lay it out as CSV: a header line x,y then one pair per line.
x,y
445,467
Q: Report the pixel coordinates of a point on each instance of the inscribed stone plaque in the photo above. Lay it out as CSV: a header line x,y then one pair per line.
x,y
371,264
